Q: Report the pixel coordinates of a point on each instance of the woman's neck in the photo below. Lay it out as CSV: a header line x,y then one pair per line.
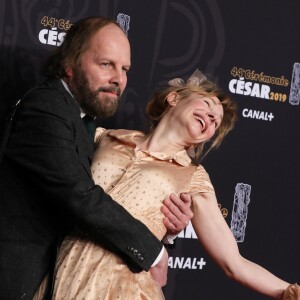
x,y
162,139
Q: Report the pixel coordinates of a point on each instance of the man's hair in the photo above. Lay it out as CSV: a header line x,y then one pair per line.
x,y
76,42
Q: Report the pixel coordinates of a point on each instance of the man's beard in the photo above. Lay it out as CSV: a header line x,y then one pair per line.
x,y
90,101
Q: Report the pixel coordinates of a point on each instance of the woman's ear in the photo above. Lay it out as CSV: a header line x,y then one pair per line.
x,y
171,98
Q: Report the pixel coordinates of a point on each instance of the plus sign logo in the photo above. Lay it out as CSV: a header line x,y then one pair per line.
x,y
192,263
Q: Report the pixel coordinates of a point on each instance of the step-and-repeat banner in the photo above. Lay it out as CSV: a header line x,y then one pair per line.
x,y
253,49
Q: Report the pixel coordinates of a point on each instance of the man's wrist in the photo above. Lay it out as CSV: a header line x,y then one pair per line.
x,y
159,257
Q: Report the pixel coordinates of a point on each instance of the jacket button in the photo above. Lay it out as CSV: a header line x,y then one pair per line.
x,y
140,257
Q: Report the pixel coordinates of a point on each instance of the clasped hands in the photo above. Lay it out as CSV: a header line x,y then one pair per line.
x,y
177,212
292,292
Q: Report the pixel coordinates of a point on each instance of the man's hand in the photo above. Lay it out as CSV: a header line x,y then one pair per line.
x,y
160,271
177,211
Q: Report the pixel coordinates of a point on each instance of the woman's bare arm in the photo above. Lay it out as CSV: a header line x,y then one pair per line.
x,y
218,240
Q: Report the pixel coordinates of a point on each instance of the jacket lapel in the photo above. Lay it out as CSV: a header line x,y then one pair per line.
x,y
83,143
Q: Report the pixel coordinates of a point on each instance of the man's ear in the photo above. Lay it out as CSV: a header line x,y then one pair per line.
x,y
171,98
69,71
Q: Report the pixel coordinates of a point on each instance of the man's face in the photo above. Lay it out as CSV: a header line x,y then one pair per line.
x,y
100,78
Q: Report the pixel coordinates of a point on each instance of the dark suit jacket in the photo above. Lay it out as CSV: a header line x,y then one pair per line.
x,y
46,187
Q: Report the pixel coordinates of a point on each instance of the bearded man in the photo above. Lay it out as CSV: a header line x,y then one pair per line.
x,y
46,185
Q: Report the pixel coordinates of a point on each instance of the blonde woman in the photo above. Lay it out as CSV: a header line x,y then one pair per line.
x,y
138,170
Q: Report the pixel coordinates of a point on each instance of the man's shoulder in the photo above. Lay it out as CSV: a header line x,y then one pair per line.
x,y
50,94
49,88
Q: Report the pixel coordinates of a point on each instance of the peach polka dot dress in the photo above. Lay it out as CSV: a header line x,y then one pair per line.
x,y
139,181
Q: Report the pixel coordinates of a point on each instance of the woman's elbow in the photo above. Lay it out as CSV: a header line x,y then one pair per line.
x,y
234,271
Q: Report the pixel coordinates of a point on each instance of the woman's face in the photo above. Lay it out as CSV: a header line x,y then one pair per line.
x,y
196,117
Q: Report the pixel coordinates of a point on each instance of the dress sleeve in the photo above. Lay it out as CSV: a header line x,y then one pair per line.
x,y
98,134
200,182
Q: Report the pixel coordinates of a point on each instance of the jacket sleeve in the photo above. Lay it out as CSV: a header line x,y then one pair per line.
x,y
48,143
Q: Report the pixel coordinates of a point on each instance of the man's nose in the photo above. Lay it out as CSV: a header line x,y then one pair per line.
x,y
117,77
